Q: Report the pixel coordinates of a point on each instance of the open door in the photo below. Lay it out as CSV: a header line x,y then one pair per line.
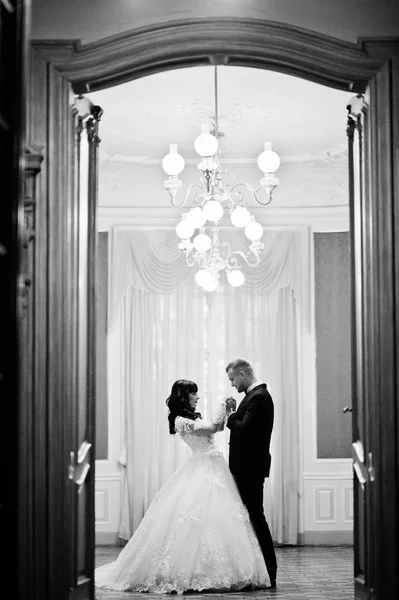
x,y
373,135
81,350
58,348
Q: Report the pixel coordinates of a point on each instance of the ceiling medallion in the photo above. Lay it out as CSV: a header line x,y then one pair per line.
x,y
209,197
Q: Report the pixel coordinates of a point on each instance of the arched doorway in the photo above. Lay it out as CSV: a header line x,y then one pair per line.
x,y
61,302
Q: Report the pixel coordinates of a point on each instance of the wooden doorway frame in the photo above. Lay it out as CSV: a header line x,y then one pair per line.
x,y
239,42
61,66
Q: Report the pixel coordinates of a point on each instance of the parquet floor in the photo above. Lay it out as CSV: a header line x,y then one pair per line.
x,y
311,573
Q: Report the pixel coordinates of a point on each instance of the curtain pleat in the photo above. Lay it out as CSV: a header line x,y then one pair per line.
x,y
284,507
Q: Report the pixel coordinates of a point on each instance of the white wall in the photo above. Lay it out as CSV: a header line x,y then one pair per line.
x,y
91,20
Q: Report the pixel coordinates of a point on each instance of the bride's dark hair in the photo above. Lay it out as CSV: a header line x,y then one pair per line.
x,y
179,404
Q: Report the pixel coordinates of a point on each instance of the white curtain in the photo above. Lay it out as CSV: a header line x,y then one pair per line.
x,y
283,498
165,328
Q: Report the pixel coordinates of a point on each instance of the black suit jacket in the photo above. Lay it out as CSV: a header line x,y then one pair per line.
x,y
251,428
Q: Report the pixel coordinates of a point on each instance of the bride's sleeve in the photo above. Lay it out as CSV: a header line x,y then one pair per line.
x,y
183,425
219,416
200,426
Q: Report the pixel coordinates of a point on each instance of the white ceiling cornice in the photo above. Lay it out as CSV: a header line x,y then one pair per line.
x,y
329,155
317,219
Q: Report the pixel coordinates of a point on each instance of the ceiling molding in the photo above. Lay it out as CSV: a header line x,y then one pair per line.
x,y
331,218
326,156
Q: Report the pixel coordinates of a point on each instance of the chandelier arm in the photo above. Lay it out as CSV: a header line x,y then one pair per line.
x,y
173,198
231,203
197,198
191,259
231,178
240,196
254,192
186,195
245,257
224,246
190,188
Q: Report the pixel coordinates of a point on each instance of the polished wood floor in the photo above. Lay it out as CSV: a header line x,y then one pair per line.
x,y
311,573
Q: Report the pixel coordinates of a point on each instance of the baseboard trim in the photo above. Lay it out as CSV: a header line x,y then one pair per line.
x,y
107,538
328,538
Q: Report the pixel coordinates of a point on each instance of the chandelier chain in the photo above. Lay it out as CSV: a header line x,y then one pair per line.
x,y
216,105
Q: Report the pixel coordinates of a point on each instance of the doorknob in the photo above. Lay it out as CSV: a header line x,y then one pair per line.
x,y
77,470
358,463
371,469
347,409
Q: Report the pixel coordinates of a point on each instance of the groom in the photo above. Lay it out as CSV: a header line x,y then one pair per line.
x,y
249,459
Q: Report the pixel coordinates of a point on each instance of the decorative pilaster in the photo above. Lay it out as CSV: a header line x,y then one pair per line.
x,y
33,160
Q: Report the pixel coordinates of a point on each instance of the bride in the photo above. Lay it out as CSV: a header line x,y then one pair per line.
x,y
196,534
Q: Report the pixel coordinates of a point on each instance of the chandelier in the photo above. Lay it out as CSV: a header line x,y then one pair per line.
x,y
216,190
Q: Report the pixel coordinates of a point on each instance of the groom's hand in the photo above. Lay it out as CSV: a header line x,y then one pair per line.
x,y
231,404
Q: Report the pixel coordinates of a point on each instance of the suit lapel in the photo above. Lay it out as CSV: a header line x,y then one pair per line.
x,y
243,402
247,397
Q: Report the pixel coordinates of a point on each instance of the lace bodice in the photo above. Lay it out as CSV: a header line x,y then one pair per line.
x,y
198,434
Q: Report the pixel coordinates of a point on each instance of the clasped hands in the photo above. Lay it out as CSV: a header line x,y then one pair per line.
x,y
230,404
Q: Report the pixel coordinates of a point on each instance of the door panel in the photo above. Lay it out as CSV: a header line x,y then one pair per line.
x,y
83,400
384,104
373,164
360,435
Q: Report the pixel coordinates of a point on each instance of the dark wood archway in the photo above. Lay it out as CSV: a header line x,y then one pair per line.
x,y
57,69
239,42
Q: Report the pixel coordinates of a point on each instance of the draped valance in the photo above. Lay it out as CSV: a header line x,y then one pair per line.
x,y
151,260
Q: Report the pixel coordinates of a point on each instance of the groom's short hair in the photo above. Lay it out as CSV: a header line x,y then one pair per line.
x,y
240,365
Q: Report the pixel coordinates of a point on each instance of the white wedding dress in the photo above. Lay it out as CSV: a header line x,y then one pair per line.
x,y
196,534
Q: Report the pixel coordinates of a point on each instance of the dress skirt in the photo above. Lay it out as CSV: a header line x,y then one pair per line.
x,y
196,535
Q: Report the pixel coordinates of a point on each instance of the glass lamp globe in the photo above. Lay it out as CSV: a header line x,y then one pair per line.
x,y
268,161
254,230
203,277
213,210
236,277
202,242
240,217
206,144
196,217
184,229
211,285
173,163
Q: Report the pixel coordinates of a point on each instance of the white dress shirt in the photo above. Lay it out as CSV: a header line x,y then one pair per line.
x,y
249,389
254,385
